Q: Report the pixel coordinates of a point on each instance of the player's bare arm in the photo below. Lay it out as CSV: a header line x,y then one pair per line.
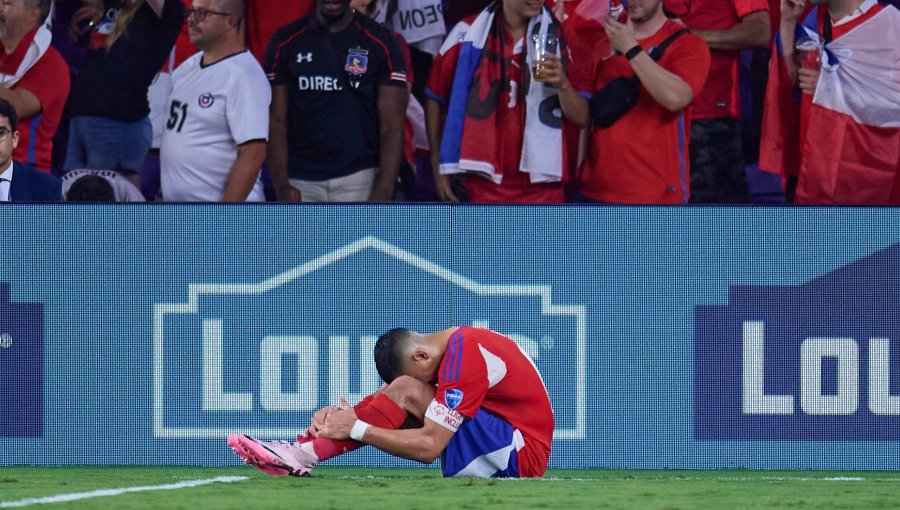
x,y
435,116
574,107
25,103
277,149
392,102
245,171
423,444
753,31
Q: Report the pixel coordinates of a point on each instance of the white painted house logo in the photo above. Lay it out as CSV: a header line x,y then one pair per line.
x,y
261,357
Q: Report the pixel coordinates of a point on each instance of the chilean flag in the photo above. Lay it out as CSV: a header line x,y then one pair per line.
x,y
264,17
845,147
586,20
589,14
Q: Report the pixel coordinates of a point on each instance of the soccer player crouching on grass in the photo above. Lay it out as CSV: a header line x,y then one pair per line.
x,y
469,396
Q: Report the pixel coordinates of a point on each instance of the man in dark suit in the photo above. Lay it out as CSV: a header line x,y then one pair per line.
x,y
18,182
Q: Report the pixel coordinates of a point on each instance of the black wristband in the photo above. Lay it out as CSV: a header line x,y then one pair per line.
x,y
633,52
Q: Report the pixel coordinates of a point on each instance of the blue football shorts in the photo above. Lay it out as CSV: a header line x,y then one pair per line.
x,y
484,447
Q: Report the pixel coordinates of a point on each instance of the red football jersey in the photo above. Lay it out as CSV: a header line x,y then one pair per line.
x,y
720,97
643,157
264,17
485,370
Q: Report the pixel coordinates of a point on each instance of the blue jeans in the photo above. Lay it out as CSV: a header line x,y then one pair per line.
x,y
99,143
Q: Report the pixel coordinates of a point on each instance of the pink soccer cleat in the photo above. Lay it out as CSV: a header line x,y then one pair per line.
x,y
276,458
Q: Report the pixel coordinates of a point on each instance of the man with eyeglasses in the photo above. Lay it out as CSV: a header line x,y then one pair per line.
x,y
19,182
339,99
215,137
33,77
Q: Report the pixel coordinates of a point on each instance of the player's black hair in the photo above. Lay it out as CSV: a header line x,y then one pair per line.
x,y
91,188
7,110
389,353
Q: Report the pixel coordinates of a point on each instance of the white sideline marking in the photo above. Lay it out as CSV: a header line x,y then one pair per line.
x,y
803,479
62,498
678,479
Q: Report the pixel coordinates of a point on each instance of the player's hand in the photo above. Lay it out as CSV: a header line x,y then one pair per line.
x,y
556,74
807,80
318,420
791,10
382,192
287,193
621,35
444,189
339,423
84,20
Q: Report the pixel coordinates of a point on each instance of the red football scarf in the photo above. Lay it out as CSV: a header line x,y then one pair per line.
x,y
30,49
472,129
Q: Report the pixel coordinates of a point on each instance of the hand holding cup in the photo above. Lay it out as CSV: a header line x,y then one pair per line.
x,y
542,46
808,52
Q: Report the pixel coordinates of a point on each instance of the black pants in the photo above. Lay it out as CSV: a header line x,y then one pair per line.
x,y
717,162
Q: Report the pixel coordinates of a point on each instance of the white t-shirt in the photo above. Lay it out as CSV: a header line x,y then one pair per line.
x,y
6,183
123,189
211,111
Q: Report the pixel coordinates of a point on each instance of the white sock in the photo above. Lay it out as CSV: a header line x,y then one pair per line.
x,y
307,447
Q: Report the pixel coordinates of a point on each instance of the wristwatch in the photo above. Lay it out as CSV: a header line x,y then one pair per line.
x,y
634,51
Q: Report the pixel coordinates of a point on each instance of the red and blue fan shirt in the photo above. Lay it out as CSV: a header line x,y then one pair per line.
x,y
48,81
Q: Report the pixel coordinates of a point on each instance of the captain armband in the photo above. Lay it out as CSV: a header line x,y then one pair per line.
x,y
444,416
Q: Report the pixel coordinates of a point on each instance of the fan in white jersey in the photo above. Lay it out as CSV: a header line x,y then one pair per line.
x,y
215,138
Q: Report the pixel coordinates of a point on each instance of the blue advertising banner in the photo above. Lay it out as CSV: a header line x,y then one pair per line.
x,y
21,367
685,337
818,361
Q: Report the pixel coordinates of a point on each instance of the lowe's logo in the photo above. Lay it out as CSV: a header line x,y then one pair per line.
x,y
818,361
21,367
261,357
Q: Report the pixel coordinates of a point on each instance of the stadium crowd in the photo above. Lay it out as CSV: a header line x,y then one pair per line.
x,y
482,101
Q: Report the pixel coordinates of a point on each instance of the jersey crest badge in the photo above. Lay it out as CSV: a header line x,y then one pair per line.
x,y
206,100
357,62
453,398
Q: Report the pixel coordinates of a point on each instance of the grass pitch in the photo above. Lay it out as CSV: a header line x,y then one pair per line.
x,y
333,487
